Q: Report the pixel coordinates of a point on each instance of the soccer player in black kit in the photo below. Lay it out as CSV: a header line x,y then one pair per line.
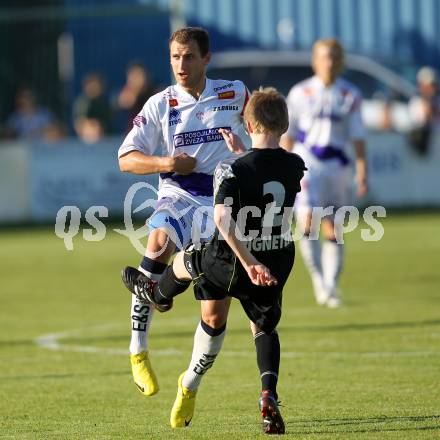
x,y
249,257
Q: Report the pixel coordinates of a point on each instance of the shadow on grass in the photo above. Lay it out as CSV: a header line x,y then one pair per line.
x,y
115,338
362,327
155,334
62,376
379,424
234,331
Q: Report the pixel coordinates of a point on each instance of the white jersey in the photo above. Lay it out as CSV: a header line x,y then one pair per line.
x,y
323,120
178,123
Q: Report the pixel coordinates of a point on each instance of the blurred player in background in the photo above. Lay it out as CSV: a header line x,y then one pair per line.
x,y
424,109
185,120
250,260
324,117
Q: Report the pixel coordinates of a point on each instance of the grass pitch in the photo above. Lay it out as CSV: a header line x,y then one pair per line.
x,y
370,370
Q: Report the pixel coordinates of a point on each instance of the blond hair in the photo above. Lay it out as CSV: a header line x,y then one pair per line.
x,y
335,46
267,111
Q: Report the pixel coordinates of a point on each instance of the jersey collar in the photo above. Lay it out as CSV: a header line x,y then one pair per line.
x,y
320,84
206,90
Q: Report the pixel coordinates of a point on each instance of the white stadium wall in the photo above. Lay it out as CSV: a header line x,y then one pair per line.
x,y
399,177
14,183
36,181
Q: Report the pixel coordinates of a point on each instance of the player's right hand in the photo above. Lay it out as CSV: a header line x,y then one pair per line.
x,y
233,141
260,275
362,187
184,164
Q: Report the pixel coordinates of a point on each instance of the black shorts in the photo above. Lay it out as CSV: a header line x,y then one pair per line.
x,y
220,278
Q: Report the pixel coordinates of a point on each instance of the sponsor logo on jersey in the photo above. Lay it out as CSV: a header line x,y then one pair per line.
x,y
226,86
221,108
198,137
173,102
139,120
174,117
200,116
230,94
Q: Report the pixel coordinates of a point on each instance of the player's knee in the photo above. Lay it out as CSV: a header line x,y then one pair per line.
x,y
254,328
159,236
214,320
329,230
159,240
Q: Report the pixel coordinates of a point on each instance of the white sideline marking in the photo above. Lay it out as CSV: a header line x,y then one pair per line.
x,y
52,342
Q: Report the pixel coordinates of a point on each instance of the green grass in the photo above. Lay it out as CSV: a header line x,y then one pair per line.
x,y
370,370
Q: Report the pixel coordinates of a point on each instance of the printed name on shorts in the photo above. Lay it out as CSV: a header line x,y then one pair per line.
x,y
198,137
230,94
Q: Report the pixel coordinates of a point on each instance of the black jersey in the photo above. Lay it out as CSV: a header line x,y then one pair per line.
x,y
260,187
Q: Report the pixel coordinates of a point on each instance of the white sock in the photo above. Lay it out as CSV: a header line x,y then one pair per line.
x,y
311,252
332,260
205,350
141,315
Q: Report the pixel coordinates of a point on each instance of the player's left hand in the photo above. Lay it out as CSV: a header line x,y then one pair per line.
x,y
260,275
233,141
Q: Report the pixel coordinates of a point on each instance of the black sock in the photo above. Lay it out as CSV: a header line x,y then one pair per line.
x,y
153,266
268,359
169,286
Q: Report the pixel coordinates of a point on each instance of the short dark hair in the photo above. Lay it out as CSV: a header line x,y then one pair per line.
x,y
198,34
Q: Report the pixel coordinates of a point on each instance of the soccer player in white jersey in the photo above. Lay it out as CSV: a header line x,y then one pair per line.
x,y
188,121
324,117
252,267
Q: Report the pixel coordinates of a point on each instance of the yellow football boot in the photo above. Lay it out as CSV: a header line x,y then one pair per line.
x,y
183,408
143,375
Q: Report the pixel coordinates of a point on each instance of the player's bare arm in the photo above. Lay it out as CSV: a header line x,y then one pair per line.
x,y
257,272
361,167
136,162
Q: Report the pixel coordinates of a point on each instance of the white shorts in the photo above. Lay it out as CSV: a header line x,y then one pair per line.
x,y
325,187
185,222
325,183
